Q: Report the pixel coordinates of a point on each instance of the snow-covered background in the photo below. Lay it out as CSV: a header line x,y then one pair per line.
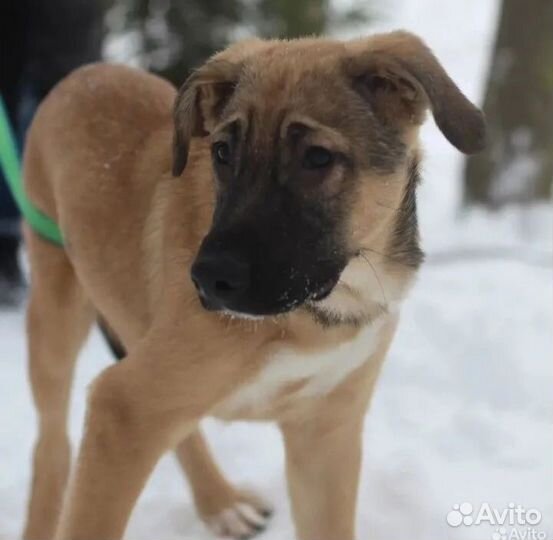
x,y
464,409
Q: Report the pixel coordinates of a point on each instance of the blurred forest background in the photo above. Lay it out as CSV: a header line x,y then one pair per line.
x,y
171,37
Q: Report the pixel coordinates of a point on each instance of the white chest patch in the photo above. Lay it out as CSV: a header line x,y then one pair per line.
x,y
323,371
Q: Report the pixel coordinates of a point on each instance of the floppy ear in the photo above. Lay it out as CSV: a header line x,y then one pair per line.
x,y
398,74
199,103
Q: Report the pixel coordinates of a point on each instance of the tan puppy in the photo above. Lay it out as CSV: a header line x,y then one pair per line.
x,y
255,272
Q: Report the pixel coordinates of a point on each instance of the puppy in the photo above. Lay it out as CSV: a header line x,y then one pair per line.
x,y
250,247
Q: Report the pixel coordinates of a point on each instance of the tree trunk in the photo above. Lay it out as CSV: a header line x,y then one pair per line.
x,y
517,166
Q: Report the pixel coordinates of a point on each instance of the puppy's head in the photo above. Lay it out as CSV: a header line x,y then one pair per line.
x,y
313,155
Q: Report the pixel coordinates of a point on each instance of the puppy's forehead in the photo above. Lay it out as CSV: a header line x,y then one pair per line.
x,y
297,54
284,69
307,79
293,80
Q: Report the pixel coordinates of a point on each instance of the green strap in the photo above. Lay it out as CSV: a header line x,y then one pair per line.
x,y
9,161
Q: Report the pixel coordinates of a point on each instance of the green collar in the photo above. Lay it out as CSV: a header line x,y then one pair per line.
x,y
9,162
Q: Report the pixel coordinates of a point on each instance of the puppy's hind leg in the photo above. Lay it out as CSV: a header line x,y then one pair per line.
x,y
226,510
58,320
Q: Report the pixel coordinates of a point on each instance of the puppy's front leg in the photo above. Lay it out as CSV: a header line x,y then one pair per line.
x,y
323,462
323,452
137,410
118,452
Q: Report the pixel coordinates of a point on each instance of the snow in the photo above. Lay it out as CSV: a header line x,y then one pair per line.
x,y
464,408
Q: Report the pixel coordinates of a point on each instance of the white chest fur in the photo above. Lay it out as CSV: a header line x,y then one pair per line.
x,y
322,371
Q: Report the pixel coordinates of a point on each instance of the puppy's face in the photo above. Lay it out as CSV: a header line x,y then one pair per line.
x,y
313,150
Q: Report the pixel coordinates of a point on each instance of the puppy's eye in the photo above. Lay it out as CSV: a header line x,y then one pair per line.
x,y
221,153
317,157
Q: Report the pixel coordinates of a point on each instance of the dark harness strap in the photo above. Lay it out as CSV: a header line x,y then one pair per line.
x,y
114,344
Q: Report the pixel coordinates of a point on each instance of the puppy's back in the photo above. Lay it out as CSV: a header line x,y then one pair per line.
x,y
89,132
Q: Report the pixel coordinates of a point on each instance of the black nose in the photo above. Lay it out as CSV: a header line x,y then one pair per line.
x,y
220,278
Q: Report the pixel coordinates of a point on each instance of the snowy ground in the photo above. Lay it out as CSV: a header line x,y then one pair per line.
x,y
464,409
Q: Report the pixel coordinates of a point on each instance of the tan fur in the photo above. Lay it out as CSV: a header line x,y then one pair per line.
x,y
98,160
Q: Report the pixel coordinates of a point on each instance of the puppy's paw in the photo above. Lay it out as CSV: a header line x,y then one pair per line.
x,y
243,519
